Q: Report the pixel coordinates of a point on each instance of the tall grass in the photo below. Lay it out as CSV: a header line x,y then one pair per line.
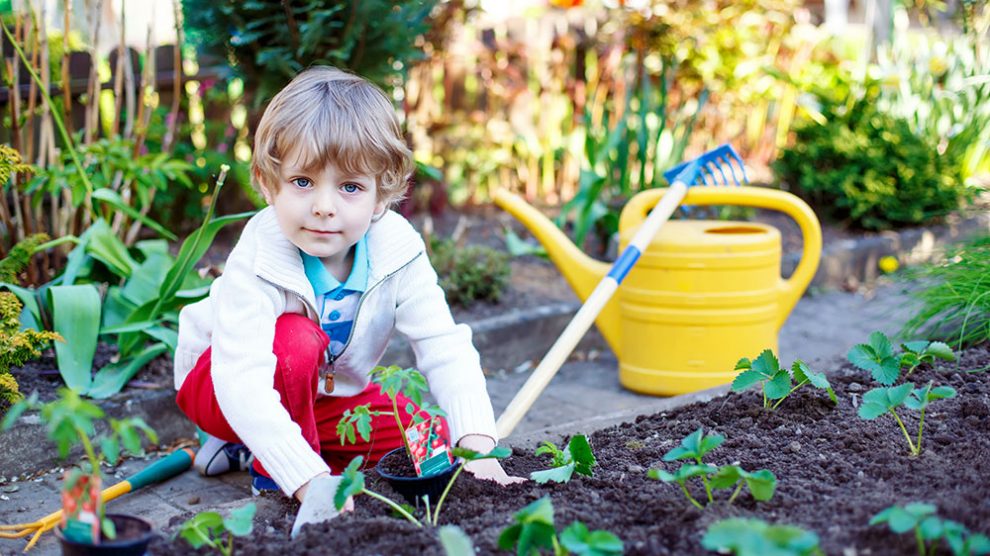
x,y
956,306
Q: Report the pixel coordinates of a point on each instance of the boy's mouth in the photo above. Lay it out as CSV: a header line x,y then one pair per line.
x,y
320,232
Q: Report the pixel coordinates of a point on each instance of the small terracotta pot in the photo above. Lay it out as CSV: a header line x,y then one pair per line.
x,y
133,536
413,489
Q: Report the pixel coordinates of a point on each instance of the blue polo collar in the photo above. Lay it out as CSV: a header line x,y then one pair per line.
x,y
323,282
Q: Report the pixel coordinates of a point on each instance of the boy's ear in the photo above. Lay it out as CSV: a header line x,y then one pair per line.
x,y
380,208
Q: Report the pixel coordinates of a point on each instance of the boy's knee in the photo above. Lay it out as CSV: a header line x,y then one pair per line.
x,y
299,342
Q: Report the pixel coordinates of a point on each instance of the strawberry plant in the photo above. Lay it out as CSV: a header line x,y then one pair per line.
x,y
578,458
754,537
879,401
778,383
352,484
928,529
213,530
878,358
534,530
695,446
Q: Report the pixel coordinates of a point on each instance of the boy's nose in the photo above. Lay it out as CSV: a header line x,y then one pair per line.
x,y
324,205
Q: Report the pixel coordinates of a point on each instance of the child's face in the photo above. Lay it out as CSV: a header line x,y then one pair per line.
x,y
323,212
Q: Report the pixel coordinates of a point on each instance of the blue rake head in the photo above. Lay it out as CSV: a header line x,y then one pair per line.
x,y
710,169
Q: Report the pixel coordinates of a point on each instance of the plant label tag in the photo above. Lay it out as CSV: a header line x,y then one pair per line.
x,y
81,507
429,445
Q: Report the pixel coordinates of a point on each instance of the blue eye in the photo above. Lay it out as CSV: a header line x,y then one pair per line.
x,y
303,183
351,188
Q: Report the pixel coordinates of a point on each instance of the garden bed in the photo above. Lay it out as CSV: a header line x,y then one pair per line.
x,y
834,471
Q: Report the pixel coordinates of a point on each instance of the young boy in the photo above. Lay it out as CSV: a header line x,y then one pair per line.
x,y
310,296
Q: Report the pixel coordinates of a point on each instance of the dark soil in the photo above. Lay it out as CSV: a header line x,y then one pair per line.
x,y
834,472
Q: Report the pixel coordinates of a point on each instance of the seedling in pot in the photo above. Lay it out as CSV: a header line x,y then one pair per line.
x,y
928,529
878,358
213,530
352,484
577,459
879,401
755,537
534,530
70,421
777,383
695,446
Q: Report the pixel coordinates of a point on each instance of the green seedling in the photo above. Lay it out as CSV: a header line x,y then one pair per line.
x,y
778,383
455,541
71,420
534,530
695,446
755,537
879,401
213,530
353,485
928,529
878,358
577,459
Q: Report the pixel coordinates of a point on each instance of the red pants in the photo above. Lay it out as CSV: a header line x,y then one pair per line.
x,y
299,346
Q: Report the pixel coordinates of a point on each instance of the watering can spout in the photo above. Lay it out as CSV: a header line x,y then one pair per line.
x,y
581,271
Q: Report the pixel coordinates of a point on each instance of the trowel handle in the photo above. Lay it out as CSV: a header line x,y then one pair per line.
x,y
790,289
585,316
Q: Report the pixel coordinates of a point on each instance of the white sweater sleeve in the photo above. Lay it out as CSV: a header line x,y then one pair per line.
x,y
243,370
444,352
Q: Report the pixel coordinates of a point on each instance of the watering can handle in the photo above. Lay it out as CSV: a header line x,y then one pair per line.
x,y
790,289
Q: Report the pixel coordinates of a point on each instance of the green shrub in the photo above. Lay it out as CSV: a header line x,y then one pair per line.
x,y
470,273
16,347
869,170
955,307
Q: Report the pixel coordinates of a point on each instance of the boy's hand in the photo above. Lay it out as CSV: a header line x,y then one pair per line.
x,y
317,502
487,469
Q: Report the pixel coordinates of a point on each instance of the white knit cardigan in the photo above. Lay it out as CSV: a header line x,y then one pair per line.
x,y
264,278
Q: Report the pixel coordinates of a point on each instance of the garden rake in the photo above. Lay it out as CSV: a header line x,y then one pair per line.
x,y
716,167
163,469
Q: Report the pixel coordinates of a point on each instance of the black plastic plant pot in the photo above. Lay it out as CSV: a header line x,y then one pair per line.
x,y
133,536
413,488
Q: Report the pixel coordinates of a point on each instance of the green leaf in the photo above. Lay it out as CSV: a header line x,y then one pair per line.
x,y
726,477
778,387
560,474
745,380
351,484
455,541
762,484
871,410
107,248
881,344
897,394
241,520
941,350
581,454
802,372
110,448
202,529
916,347
76,316
767,364
577,539
113,199
15,411
498,452
111,379
743,364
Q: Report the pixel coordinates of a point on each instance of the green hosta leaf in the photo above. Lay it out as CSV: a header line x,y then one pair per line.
x,y
778,387
106,247
745,380
581,454
351,484
762,484
111,379
76,316
240,523
455,541
202,529
577,539
560,474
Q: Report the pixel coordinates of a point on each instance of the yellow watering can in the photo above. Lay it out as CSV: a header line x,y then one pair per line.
x,y
703,293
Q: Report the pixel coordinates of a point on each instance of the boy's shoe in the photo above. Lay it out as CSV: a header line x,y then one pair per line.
x,y
261,483
216,457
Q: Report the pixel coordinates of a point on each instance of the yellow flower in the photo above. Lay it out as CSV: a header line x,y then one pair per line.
x,y
888,264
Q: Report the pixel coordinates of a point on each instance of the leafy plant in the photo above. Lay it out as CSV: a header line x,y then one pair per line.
x,y
271,42
878,357
955,305
534,530
879,401
578,458
213,530
71,420
352,484
695,446
16,347
755,537
777,383
928,529
869,169
469,273
455,541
